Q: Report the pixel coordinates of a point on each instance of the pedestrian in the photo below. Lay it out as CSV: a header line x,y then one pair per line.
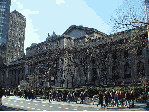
x,y
25,94
84,95
109,97
132,98
1,95
69,97
136,95
93,99
5,92
116,98
120,98
100,99
29,95
106,99
122,93
32,94
9,91
64,95
49,96
15,92
73,96
112,97
54,95
128,99
58,96
81,97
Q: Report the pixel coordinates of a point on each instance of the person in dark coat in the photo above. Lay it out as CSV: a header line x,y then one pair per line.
x,y
50,96
47,95
81,97
106,99
116,98
32,94
29,95
112,97
1,95
128,98
132,98
100,99
25,93
64,95
109,97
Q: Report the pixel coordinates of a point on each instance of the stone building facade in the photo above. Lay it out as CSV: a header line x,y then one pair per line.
x,y
85,56
12,73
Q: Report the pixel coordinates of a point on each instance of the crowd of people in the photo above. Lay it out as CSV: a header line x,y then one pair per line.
x,y
104,98
114,98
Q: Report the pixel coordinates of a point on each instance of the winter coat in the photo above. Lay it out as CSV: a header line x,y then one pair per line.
x,y
132,96
128,97
101,98
1,93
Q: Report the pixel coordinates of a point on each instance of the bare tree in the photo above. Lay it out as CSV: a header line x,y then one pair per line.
x,y
130,16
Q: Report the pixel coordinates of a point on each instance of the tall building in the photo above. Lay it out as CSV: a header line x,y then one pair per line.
x,y
4,24
16,36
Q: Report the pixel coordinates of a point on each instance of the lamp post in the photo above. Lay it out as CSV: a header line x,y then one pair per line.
x,y
63,82
49,76
72,76
67,82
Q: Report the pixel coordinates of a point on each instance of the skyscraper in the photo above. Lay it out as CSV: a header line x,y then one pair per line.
x,y
4,24
16,36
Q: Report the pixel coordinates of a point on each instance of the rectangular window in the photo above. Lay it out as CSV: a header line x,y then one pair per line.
x,y
126,54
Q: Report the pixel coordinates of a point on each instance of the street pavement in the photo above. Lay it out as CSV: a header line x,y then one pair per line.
x,y
19,104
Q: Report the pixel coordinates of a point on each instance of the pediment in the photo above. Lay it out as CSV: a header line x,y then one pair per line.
x,y
76,33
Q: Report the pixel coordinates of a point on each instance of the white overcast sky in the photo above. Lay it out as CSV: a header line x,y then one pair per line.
x,y
46,16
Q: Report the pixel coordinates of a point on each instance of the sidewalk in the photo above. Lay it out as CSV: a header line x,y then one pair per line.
x,y
137,105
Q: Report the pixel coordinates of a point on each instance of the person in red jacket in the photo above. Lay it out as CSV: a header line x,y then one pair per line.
x,y
122,98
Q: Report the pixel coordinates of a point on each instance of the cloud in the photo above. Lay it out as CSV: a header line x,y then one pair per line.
x,y
59,2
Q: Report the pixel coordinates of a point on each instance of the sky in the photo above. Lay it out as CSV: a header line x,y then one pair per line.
x,y
46,16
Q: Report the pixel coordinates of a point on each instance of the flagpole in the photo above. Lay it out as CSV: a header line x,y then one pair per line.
x,y
147,39
147,19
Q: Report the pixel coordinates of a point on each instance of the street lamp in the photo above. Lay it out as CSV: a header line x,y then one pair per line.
x,y
67,82
72,76
49,76
63,82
